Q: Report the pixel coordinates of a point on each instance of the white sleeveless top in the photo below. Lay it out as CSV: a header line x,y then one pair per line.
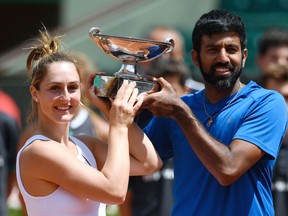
x,y
61,202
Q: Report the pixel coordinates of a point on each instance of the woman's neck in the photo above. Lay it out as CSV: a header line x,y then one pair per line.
x,y
57,132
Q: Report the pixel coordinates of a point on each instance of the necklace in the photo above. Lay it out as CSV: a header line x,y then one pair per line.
x,y
210,121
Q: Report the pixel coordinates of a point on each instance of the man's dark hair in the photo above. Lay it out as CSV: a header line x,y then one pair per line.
x,y
273,37
218,21
165,67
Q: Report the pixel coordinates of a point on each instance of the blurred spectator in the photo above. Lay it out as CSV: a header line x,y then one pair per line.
x,y
176,73
162,34
9,134
9,106
272,48
272,60
275,77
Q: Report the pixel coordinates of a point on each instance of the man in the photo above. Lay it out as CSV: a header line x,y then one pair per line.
x,y
272,60
275,77
224,139
272,48
9,134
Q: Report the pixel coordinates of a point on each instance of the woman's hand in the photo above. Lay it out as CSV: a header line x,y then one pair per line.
x,y
126,104
103,104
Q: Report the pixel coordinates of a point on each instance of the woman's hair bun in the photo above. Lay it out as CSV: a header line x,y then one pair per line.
x,y
44,46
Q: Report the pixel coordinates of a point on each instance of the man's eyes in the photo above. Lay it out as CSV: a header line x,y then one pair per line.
x,y
228,50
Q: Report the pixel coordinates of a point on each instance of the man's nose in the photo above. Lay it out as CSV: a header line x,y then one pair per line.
x,y
223,56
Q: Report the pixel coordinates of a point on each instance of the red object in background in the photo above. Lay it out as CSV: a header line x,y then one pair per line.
x,y
9,106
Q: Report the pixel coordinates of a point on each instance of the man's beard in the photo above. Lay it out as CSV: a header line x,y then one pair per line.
x,y
222,82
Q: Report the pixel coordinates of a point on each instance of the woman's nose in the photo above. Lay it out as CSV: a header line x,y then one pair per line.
x,y
65,95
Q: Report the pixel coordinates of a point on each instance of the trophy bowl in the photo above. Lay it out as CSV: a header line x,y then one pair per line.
x,y
130,51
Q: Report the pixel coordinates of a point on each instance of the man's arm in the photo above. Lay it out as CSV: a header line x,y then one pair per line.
x,y
225,163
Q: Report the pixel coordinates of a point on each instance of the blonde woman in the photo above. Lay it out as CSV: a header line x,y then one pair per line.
x,y
59,174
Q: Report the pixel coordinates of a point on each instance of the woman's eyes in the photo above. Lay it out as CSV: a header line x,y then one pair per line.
x,y
73,87
54,88
59,88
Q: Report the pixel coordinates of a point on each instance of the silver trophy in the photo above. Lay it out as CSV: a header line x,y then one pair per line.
x,y
130,51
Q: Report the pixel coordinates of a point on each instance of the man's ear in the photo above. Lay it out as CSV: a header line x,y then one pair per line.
x,y
195,58
245,53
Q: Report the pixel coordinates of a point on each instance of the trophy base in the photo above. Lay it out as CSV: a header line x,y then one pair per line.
x,y
108,85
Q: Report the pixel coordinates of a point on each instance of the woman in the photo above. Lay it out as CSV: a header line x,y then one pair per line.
x,y
86,121
63,175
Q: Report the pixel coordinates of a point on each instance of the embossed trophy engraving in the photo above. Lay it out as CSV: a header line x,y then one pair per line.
x,y
130,51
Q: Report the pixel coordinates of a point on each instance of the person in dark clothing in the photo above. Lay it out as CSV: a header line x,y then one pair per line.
x,y
275,77
9,135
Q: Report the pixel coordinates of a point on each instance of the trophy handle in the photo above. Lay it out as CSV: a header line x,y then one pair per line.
x,y
94,31
170,41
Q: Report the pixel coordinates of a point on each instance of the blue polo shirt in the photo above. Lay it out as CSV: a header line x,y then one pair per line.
x,y
255,115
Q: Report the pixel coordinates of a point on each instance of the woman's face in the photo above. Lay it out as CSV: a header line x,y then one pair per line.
x,y
59,94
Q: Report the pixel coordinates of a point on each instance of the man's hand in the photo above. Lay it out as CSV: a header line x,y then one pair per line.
x,y
163,103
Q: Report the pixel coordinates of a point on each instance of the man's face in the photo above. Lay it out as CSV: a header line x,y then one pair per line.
x,y
274,55
220,59
279,85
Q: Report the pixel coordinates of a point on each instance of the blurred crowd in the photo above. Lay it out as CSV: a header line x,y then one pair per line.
x,y
150,195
